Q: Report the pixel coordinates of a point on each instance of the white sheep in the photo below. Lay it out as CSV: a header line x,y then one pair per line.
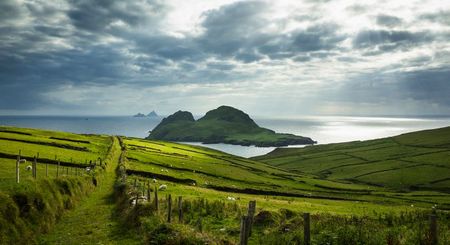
x,y
162,187
154,180
29,168
231,198
23,161
88,169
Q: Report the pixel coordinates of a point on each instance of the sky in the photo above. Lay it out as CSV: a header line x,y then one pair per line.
x,y
269,58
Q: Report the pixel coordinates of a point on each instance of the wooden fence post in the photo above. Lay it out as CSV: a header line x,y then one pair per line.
x,y
199,224
251,214
433,228
156,198
307,230
148,192
18,169
180,209
34,171
169,211
137,196
243,237
57,169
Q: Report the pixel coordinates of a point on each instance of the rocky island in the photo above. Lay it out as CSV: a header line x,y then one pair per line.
x,y
222,125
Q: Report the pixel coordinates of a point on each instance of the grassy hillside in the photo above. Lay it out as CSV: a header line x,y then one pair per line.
x,y
216,188
33,206
206,179
206,169
413,161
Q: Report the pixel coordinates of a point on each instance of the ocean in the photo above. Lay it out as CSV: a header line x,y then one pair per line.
x,y
323,129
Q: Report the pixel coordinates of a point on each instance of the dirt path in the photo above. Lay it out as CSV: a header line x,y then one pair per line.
x,y
92,221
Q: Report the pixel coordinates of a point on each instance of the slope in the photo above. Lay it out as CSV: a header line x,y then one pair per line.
x,y
413,161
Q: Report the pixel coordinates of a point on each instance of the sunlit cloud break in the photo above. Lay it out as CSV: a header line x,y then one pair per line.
x,y
284,58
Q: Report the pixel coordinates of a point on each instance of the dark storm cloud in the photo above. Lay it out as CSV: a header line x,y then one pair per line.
x,y
97,15
234,27
442,17
427,86
10,10
47,47
239,29
317,37
389,40
388,20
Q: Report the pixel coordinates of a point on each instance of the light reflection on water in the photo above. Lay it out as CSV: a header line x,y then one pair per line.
x,y
323,129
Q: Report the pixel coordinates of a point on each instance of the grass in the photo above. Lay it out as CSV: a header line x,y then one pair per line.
x,y
350,189
419,160
93,220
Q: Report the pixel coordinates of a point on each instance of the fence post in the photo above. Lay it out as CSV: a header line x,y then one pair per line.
x,y
243,238
433,228
251,214
148,192
34,171
180,209
169,211
137,196
307,230
37,157
17,169
57,170
156,198
199,224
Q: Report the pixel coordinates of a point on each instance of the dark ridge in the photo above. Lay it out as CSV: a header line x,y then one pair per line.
x,y
71,140
54,144
276,193
199,172
160,176
14,132
367,192
44,160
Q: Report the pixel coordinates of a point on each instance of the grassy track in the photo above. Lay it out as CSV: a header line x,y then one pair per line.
x,y
92,222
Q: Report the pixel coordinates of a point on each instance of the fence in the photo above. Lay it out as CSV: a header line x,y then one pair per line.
x,y
142,194
59,169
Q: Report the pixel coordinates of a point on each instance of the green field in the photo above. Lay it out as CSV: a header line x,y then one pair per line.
x,y
374,182
409,162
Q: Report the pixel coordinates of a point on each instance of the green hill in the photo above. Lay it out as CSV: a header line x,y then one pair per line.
x,y
222,125
413,161
215,188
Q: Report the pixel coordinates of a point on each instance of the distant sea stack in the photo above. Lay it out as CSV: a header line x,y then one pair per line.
x,y
150,115
222,125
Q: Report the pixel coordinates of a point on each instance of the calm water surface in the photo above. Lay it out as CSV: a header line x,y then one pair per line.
x,y
323,129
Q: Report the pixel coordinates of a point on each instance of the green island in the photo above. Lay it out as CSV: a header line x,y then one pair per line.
x,y
367,192
222,125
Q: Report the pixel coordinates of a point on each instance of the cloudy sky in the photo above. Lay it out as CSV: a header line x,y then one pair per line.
x,y
284,58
